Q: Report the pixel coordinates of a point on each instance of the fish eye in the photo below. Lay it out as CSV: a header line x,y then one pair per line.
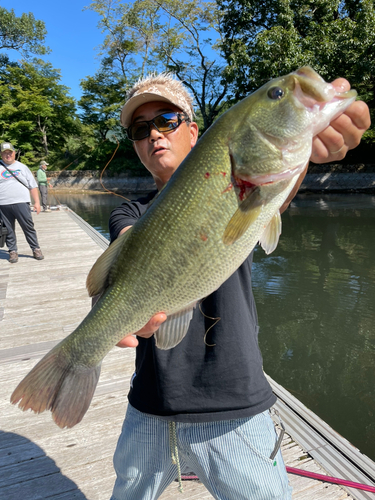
x,y
275,93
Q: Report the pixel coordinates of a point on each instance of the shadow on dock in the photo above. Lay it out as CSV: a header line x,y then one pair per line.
x,y
4,254
27,472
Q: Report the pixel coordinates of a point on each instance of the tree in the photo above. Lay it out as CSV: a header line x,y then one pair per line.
x,y
129,30
263,40
188,50
24,34
101,102
167,35
36,111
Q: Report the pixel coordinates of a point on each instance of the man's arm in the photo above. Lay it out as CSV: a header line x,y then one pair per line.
x,y
343,133
35,196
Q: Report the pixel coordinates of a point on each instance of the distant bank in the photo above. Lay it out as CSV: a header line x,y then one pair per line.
x,y
330,177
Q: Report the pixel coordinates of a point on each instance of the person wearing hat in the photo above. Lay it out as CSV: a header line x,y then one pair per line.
x,y
43,182
200,407
16,185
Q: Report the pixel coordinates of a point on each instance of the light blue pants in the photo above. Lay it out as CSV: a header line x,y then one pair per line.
x,y
231,458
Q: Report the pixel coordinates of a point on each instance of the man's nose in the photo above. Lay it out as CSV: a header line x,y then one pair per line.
x,y
154,133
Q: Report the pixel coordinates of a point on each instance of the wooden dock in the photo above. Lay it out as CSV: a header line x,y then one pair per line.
x,y
40,303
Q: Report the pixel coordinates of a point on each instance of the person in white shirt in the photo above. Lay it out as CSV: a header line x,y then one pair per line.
x,y
16,184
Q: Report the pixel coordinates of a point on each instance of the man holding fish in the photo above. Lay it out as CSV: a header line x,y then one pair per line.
x,y
198,399
204,404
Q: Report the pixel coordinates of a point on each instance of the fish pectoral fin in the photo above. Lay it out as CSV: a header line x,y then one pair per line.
x,y
174,329
270,236
243,217
97,279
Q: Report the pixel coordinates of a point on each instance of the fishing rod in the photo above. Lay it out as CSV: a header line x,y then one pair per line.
x,y
101,174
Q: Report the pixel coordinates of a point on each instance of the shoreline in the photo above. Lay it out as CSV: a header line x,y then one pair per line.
x,y
321,178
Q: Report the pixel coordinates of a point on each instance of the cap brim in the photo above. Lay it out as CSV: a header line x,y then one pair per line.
x,y
137,101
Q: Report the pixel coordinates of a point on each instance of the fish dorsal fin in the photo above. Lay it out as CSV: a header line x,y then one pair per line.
x,y
243,217
97,279
174,329
270,236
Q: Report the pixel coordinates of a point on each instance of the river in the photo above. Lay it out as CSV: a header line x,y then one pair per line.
x,y
315,296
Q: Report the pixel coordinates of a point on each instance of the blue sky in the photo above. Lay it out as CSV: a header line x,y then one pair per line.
x,y
72,35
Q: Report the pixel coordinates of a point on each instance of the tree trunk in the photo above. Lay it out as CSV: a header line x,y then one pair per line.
x,y
44,136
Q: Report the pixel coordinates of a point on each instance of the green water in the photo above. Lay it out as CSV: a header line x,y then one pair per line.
x,y
316,302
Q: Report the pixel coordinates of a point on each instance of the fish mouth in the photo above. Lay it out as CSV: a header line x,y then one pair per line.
x,y
316,90
319,97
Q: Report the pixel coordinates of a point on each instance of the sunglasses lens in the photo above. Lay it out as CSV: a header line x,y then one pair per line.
x,y
164,123
167,121
138,131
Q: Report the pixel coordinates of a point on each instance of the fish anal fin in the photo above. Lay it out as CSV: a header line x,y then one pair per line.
x,y
174,329
271,234
97,279
57,385
245,215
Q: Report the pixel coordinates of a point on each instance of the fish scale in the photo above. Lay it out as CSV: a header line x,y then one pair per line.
x,y
222,200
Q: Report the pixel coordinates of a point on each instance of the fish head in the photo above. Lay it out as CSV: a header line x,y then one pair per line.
x,y
273,138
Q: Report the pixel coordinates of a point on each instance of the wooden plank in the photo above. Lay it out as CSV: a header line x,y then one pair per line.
x,y
26,352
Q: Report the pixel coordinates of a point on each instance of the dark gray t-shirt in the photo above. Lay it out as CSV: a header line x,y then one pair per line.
x,y
218,376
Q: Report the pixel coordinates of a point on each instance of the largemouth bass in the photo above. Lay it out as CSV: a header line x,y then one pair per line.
x,y
222,200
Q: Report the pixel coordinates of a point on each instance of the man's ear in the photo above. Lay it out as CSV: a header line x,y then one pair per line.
x,y
193,134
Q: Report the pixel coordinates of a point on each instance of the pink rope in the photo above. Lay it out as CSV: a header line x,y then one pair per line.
x,y
329,479
313,475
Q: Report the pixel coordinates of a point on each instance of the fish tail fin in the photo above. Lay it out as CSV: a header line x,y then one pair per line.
x,y
58,385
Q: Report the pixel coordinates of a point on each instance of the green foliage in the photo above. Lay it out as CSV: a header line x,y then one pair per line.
x,y
125,160
188,49
36,112
263,40
103,97
102,100
102,154
24,34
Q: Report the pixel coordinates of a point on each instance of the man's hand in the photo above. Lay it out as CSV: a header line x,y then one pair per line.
x,y
334,142
344,133
35,196
147,331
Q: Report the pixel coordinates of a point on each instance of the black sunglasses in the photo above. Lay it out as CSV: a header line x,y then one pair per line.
x,y
163,123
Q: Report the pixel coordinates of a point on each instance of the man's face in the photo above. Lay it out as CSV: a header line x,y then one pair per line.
x,y
162,152
8,156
